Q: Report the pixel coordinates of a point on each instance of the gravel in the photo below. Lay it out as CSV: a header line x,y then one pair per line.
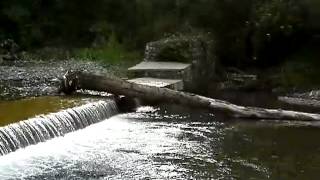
x,y
37,78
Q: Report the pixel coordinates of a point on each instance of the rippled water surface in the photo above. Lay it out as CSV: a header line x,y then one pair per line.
x,y
172,143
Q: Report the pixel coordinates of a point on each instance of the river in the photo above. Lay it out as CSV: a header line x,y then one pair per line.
x,y
170,142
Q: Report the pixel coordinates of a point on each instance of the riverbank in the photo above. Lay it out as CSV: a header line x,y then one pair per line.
x,y
36,77
26,78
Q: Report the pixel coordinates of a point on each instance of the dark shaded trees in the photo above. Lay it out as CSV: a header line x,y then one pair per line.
x,y
247,32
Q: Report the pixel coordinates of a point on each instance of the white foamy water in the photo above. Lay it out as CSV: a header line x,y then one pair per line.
x,y
117,148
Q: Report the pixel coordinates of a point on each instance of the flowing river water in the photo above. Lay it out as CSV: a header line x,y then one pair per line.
x,y
85,137
165,142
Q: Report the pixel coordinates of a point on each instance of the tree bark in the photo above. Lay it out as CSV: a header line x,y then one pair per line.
x,y
116,86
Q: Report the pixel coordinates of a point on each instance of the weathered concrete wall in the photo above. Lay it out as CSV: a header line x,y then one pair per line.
x,y
197,50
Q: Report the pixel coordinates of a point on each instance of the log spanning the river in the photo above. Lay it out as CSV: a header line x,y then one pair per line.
x,y
80,80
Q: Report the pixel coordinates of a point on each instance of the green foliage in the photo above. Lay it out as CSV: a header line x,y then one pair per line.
x,y
173,54
246,32
301,70
111,52
279,29
175,48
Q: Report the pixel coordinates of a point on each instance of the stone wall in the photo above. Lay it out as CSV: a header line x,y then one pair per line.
x,y
196,50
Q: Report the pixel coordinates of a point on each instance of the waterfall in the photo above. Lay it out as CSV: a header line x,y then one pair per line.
x,y
44,127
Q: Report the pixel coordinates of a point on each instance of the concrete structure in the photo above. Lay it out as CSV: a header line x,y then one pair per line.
x,y
162,70
185,58
161,74
166,66
162,83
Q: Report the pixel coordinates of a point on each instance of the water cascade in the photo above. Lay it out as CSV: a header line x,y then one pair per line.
x,y
44,127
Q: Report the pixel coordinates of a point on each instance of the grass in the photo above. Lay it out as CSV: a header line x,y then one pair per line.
x,y
113,56
112,53
107,54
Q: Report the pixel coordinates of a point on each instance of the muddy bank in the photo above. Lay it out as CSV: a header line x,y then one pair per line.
x,y
37,78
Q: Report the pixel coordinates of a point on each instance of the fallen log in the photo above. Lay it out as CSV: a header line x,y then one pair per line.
x,y
80,80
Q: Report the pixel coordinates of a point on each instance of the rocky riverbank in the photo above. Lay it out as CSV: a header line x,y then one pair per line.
x,y
24,78
310,98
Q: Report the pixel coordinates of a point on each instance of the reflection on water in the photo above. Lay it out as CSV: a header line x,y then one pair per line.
x,y
163,143
285,150
17,110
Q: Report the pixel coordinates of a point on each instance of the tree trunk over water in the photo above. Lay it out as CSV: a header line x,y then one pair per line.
x,y
116,86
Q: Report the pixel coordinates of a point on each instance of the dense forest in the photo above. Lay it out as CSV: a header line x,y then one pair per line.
x,y
259,32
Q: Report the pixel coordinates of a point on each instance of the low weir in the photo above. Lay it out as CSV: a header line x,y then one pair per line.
x,y
45,127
